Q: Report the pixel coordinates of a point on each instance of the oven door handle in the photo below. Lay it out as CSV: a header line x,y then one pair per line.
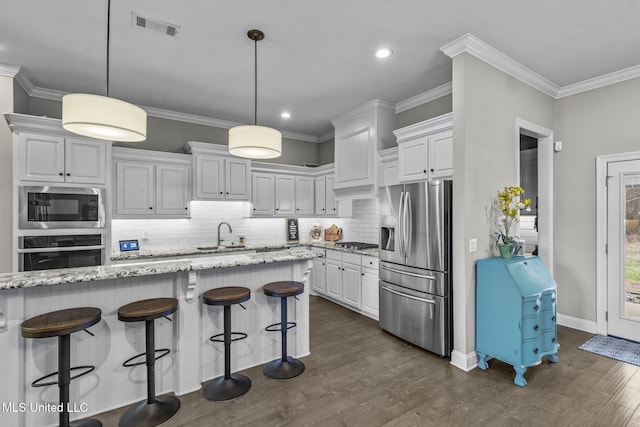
x,y
428,301
421,276
60,249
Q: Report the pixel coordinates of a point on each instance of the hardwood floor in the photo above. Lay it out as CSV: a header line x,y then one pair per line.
x,y
358,375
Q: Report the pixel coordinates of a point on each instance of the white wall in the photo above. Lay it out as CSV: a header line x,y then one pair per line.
x,y
594,123
201,228
486,104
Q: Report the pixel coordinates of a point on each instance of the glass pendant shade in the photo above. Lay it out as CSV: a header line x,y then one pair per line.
x,y
255,142
103,117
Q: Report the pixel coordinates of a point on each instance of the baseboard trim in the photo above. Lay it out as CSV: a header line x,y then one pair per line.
x,y
577,323
466,362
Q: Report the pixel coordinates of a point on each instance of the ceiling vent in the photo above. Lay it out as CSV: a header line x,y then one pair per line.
x,y
154,25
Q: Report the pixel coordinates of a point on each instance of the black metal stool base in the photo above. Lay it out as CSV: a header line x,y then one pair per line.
x,y
144,414
86,423
284,369
220,388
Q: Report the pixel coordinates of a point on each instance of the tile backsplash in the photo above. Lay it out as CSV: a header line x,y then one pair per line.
x,y
202,228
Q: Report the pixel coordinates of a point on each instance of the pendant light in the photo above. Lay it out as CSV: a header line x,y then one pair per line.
x,y
103,117
253,141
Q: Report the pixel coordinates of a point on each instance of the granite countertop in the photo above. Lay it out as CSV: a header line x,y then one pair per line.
x,y
31,279
203,250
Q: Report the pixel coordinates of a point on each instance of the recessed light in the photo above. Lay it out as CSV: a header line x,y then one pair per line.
x,y
383,52
285,115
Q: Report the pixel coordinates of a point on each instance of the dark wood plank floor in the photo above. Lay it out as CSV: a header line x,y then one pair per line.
x,y
358,375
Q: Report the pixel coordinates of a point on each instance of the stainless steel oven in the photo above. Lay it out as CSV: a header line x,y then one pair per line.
x,y
61,207
62,251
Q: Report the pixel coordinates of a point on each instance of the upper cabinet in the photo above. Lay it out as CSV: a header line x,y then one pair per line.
x,y
151,184
61,159
218,175
325,201
425,150
359,135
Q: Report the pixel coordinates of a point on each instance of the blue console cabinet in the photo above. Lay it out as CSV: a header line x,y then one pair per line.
x,y
515,313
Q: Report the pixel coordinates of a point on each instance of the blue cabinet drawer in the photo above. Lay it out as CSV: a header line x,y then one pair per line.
x,y
548,301
530,327
547,341
531,307
547,319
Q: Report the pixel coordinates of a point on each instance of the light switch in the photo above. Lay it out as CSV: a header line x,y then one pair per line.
x,y
473,245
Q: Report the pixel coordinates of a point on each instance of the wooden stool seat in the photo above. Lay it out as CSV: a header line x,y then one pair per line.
x,y
147,309
283,289
226,296
61,322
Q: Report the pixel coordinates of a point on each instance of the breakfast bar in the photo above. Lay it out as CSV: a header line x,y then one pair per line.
x,y
193,359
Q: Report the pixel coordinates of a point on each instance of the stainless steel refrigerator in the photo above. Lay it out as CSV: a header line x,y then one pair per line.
x,y
415,264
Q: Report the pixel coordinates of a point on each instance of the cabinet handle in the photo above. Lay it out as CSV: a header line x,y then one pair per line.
x,y
362,274
323,209
227,192
536,327
186,209
536,307
150,207
432,170
221,192
61,174
553,319
297,209
553,340
424,171
535,350
277,209
553,299
68,174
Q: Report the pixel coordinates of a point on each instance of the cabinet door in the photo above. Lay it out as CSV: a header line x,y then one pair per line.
x,y
172,190
334,278
263,194
320,195
237,179
370,293
354,164
412,159
332,207
209,177
441,155
351,284
41,158
304,196
318,276
85,161
134,188
285,195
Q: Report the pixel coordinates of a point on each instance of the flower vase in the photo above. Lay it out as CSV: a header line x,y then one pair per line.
x,y
506,250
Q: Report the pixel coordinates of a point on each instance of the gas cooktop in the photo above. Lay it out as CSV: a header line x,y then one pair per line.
x,y
356,245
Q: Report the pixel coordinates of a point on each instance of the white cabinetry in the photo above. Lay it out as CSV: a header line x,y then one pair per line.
x,y
285,195
151,184
263,193
359,135
325,203
389,174
352,280
217,175
305,188
61,159
318,281
425,150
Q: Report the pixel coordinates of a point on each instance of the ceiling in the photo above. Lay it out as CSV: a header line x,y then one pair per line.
x,y
317,58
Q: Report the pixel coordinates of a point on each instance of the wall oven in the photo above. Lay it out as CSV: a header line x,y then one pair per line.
x,y
62,251
61,207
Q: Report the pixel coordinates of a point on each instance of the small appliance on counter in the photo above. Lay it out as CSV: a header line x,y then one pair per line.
x,y
316,232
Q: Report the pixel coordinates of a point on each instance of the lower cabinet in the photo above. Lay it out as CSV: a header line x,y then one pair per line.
x,y
349,279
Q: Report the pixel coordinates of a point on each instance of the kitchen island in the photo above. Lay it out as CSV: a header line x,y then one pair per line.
x,y
193,358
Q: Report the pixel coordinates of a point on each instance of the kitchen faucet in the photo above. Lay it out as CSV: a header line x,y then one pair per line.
x,y
219,225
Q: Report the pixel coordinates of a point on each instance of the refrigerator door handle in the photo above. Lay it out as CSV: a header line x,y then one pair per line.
x,y
400,232
407,273
428,301
409,222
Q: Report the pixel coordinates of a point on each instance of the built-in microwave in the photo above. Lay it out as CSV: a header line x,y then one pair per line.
x,y
61,207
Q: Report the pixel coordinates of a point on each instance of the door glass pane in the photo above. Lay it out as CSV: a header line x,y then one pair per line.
x,y
632,247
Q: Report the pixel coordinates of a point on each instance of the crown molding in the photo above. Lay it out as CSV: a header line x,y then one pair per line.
x,y
601,81
475,47
326,136
8,70
423,98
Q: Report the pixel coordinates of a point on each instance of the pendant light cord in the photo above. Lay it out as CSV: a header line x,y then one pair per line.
x,y
255,82
108,40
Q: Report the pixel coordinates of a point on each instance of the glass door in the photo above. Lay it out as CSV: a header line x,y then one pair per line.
x,y
623,249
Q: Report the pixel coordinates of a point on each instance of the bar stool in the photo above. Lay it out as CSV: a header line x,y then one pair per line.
x,y
62,324
154,410
230,385
286,367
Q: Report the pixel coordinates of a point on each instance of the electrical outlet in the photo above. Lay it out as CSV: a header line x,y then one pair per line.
x,y
473,245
